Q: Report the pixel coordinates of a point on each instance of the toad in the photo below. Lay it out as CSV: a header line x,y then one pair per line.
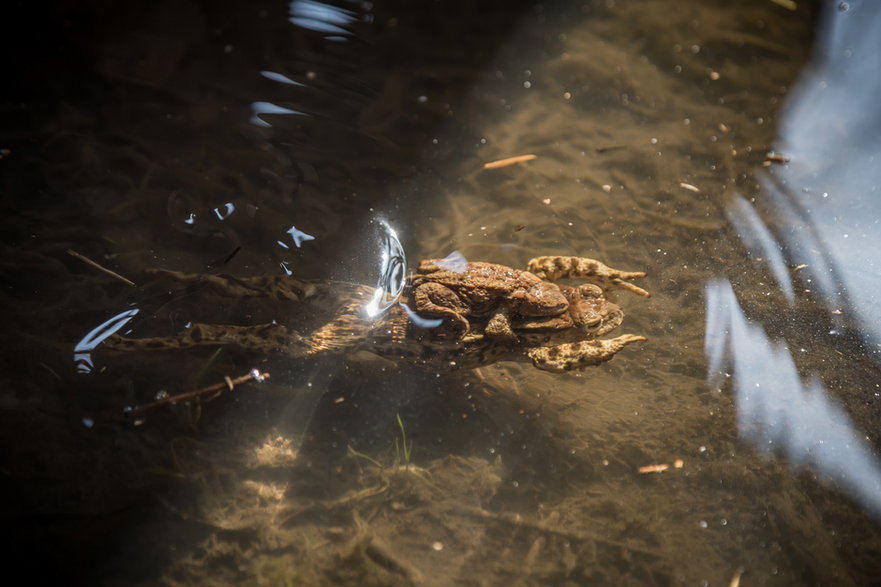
x,y
483,289
560,340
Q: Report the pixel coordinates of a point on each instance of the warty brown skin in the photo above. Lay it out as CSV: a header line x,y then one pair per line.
x,y
556,340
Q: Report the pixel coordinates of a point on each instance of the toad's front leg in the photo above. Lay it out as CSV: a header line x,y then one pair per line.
x,y
554,268
575,355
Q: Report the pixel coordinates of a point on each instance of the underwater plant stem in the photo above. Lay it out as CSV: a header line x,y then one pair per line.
x,y
228,383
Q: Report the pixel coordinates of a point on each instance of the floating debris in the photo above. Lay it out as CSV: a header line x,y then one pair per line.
x,y
772,157
661,467
509,161
99,267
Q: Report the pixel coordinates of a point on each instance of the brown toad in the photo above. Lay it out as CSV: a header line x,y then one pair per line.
x,y
563,341
483,289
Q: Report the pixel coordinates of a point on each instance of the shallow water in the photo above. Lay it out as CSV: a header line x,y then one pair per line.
x,y
272,138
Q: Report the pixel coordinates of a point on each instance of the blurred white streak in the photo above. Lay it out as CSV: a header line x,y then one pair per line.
x,y
777,412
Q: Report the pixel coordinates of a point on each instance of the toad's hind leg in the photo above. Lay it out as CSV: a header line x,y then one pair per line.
x,y
437,300
565,357
277,287
263,338
554,268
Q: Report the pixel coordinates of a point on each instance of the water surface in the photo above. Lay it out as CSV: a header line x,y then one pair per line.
x,y
272,138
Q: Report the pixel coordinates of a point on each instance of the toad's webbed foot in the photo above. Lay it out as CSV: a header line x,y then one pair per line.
x,y
575,355
554,268
263,338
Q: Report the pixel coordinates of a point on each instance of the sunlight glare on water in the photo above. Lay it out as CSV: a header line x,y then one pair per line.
x,y
824,221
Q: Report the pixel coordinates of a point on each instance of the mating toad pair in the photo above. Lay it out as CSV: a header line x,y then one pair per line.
x,y
488,313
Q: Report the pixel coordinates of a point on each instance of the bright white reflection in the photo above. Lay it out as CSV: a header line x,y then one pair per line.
x,y
82,356
760,241
322,18
419,320
820,212
258,108
830,192
277,77
777,411
298,236
455,262
225,211
392,272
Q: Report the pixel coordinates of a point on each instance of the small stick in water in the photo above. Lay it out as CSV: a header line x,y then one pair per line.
x,y
88,261
228,383
509,161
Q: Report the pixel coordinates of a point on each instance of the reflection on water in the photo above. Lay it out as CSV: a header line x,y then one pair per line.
x,y
298,236
455,262
760,241
220,139
323,17
258,108
392,274
830,129
82,351
822,218
778,412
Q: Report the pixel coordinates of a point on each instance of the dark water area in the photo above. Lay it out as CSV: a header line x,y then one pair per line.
x,y
727,149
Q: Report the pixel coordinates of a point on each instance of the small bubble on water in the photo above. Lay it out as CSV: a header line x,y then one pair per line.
x,y
703,524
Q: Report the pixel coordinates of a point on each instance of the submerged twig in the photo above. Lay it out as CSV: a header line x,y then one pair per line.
x,y
516,521
509,161
228,383
100,267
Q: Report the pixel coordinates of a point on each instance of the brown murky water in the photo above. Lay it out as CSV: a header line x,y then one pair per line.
x,y
200,139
